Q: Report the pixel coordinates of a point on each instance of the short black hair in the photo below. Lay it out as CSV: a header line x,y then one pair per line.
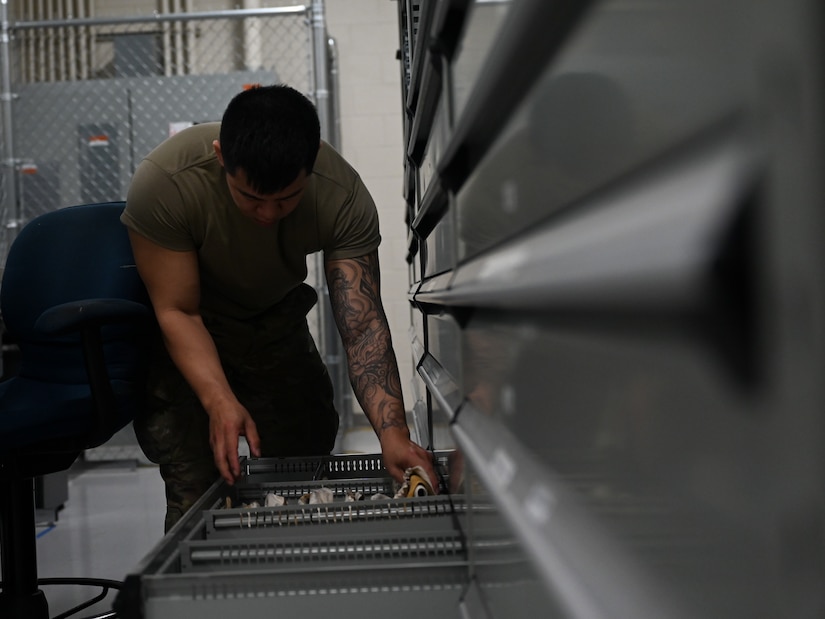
x,y
271,133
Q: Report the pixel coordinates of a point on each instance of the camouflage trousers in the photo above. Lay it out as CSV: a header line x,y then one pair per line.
x,y
274,370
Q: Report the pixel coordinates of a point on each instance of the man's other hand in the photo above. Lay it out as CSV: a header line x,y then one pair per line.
x,y
401,453
226,424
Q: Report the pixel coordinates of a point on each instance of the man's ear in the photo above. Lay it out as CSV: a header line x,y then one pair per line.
x,y
217,146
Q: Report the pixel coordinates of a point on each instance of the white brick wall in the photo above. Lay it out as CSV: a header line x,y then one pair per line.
x,y
366,33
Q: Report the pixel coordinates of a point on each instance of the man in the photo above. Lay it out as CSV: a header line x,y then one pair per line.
x,y
221,217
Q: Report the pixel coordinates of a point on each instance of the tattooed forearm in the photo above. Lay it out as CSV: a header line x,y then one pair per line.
x,y
355,294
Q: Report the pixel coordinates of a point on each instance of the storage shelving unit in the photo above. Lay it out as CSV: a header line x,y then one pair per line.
x,y
616,275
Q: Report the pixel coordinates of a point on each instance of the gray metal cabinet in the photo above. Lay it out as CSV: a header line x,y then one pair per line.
x,y
348,558
616,254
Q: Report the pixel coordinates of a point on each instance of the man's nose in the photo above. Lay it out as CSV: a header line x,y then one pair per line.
x,y
271,209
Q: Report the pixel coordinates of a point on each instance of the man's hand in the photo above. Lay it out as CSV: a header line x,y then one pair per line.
x,y
400,453
226,424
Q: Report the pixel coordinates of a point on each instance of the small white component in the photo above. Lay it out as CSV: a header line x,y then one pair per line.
x,y
273,500
321,495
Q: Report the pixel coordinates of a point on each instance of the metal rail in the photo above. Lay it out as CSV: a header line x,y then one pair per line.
x,y
159,18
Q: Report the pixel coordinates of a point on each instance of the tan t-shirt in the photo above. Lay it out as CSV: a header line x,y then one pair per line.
x,y
179,200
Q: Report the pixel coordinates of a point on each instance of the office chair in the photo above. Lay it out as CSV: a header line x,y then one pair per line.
x,y
72,300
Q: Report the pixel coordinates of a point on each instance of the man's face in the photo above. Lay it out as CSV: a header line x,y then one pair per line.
x,y
265,209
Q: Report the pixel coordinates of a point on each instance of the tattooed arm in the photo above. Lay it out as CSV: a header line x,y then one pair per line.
x,y
355,295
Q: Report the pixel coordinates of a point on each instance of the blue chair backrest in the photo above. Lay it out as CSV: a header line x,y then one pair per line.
x,y
74,253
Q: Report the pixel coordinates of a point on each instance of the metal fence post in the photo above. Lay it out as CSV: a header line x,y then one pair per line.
x,y
9,207
334,356
322,93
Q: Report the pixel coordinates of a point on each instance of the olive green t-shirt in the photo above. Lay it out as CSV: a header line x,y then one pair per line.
x,y
179,200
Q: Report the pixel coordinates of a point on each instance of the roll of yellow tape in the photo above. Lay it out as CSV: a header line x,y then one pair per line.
x,y
419,487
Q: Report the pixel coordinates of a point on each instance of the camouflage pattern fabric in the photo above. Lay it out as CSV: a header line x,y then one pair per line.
x,y
275,371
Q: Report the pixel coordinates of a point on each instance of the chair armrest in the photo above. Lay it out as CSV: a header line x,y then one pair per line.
x,y
75,315
87,316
